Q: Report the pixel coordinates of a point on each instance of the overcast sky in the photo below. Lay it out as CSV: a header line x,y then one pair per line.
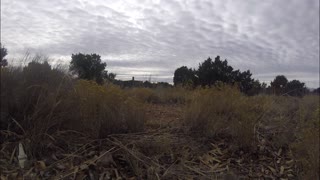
x,y
151,38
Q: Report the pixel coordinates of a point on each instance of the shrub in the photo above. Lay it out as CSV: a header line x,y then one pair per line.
x,y
306,146
225,111
37,100
30,97
30,93
285,116
278,123
102,110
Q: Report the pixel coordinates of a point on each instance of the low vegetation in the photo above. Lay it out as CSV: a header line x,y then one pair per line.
x,y
38,100
52,112
161,95
252,123
225,111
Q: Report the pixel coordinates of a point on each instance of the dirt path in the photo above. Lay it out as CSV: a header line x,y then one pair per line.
x,y
163,116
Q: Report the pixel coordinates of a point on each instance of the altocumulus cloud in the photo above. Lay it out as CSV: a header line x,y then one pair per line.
x,y
153,38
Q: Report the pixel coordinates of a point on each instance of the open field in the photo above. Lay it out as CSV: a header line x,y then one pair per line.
x,y
77,129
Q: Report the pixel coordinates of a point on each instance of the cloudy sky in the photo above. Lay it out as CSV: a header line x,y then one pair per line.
x,y
151,38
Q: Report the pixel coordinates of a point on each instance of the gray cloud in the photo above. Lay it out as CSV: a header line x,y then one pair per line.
x,y
155,37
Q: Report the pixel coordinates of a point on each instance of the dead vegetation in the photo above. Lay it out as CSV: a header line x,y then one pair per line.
x,y
77,129
156,154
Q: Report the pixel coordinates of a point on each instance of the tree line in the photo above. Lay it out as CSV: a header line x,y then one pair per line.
x,y
211,73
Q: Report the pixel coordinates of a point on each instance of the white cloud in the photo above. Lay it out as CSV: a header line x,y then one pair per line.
x,y
268,37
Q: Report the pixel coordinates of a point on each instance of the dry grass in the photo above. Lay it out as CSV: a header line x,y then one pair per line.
x,y
101,110
30,97
37,100
306,145
143,95
286,123
224,111
161,95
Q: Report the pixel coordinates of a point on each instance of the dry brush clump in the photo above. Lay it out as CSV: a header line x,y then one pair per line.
x,y
103,110
224,111
30,97
285,117
306,145
255,123
38,100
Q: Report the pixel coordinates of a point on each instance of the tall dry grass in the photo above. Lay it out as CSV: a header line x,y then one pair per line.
x,y
224,111
38,100
284,122
101,110
161,95
306,145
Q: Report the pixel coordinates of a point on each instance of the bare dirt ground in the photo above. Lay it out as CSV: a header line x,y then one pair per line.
x,y
165,150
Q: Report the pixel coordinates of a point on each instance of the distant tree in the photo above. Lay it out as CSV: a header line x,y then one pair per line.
x,y
184,76
163,84
245,82
3,53
316,91
37,72
147,84
295,88
209,72
264,85
109,76
279,84
112,76
88,66
255,88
